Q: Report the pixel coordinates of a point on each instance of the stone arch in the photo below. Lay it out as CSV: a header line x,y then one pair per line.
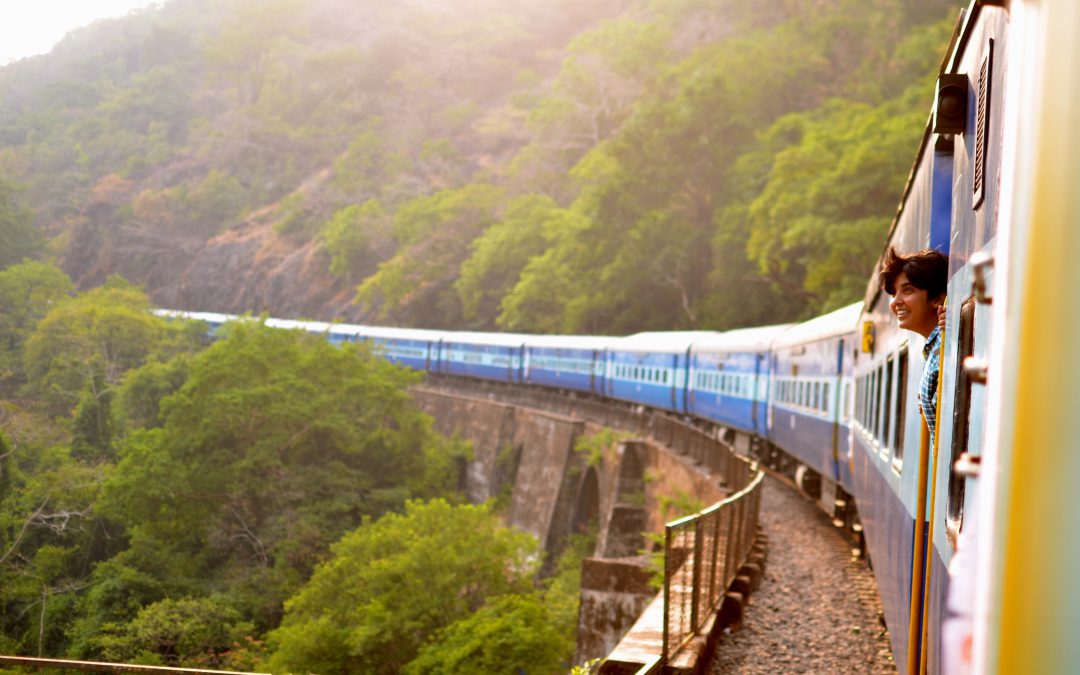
x,y
587,509
630,483
625,531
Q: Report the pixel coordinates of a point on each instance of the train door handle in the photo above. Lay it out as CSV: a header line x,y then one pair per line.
x,y
976,369
980,263
967,465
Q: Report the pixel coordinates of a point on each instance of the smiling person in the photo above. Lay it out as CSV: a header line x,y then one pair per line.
x,y
917,283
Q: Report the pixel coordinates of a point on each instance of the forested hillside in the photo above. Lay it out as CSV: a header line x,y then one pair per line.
x,y
265,501
566,165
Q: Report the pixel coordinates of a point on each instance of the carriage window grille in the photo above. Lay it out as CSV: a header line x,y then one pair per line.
x,y
961,411
982,123
881,411
901,404
887,415
875,404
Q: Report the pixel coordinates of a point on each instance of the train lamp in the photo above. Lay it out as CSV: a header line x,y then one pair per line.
x,y
950,107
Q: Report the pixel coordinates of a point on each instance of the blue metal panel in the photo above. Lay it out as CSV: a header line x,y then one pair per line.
x,y
723,387
656,380
563,368
807,438
488,362
890,531
411,353
941,202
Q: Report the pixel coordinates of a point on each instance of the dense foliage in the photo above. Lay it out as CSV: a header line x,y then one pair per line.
x,y
167,501
570,165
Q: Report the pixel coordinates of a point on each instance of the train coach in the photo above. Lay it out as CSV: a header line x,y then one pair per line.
x,y
572,362
729,377
809,410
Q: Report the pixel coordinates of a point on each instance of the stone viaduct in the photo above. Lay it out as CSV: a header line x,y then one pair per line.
x,y
566,464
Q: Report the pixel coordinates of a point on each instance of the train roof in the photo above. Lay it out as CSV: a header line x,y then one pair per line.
x,y
296,324
843,321
570,341
209,317
488,339
740,340
664,342
387,332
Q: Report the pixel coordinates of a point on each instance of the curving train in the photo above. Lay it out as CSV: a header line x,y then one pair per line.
x,y
973,539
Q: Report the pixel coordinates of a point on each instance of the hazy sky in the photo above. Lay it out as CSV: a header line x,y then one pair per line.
x,y
29,27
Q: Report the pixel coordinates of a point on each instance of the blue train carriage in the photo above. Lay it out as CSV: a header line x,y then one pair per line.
x,y
488,356
651,368
575,362
414,348
981,62
811,386
885,438
1015,572
911,506
729,378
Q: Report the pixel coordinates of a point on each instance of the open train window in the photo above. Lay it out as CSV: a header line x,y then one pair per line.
x,y
961,417
901,407
887,415
859,387
872,405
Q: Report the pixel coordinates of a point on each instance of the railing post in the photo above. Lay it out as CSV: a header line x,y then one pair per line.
x,y
667,592
695,586
713,595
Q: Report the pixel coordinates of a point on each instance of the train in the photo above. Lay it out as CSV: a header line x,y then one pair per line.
x,y
972,538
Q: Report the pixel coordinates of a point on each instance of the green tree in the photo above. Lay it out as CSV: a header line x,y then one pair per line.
x,y
509,634
28,291
193,632
18,236
86,345
818,222
501,254
392,584
433,234
49,535
276,444
352,238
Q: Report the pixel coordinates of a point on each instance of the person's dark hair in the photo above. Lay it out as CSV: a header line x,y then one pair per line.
x,y
927,270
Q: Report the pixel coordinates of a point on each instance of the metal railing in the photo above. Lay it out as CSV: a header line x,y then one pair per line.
x,y
30,663
702,556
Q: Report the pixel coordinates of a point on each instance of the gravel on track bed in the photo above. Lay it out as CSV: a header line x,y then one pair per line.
x,y
817,608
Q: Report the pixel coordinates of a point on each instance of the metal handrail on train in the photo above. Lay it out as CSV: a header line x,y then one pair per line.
x,y
703,553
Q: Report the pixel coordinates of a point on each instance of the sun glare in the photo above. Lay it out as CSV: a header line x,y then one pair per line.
x,y
33,28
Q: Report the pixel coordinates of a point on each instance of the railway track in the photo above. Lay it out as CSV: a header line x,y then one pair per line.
x,y
818,609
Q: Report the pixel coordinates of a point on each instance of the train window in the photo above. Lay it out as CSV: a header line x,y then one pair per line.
x,y
875,401
886,415
816,399
901,406
858,400
825,397
882,411
961,416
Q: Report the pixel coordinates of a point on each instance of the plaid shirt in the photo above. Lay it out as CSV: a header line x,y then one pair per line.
x,y
928,399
